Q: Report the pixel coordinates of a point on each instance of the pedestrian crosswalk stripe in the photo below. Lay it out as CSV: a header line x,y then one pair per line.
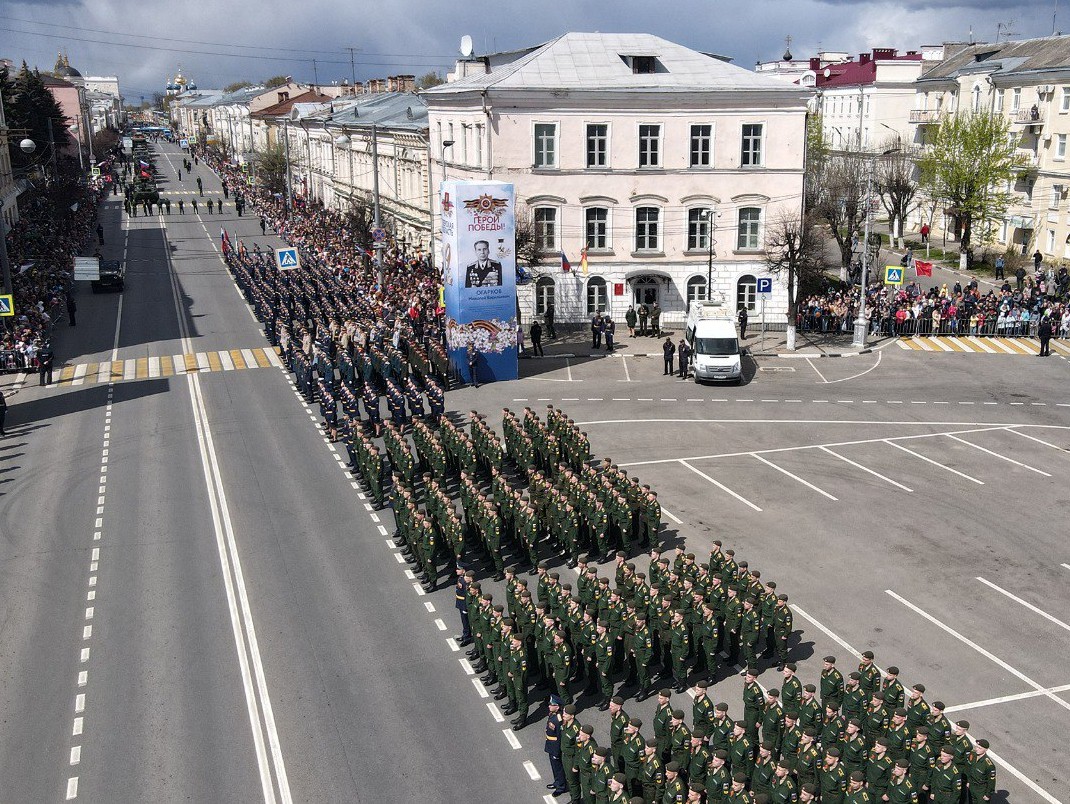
x,y
141,368
980,345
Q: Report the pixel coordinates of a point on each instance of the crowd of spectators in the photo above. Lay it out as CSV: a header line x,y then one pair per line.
x,y
1012,309
41,248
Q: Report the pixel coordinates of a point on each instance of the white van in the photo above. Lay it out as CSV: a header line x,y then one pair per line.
x,y
711,334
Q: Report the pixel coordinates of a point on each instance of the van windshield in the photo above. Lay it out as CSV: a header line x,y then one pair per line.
x,y
716,346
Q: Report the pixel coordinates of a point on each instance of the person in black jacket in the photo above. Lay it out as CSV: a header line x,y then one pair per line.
x,y
668,349
1044,332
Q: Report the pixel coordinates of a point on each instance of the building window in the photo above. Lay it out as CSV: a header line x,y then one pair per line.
x,y
1064,101
596,227
649,145
479,146
596,295
698,229
1016,99
1056,196
544,294
1060,146
696,290
597,145
545,145
999,101
750,229
642,65
751,151
646,228
747,293
1051,242
701,138
546,228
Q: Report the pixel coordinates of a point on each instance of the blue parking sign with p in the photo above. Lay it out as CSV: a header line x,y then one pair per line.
x,y
764,286
287,259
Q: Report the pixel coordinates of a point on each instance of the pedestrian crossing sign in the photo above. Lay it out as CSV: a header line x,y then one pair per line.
x,y
287,259
893,275
7,306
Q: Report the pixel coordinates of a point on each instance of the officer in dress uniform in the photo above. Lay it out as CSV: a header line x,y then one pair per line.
x,y
552,747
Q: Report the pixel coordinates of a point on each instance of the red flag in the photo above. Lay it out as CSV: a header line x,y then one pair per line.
x,y
566,266
923,268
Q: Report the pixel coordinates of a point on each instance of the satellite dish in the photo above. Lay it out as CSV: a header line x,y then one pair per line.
x,y
828,72
466,46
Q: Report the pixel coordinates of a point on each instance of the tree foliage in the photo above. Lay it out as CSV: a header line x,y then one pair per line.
x,y
966,166
271,168
276,81
897,186
528,251
428,80
794,249
237,85
28,108
840,200
817,155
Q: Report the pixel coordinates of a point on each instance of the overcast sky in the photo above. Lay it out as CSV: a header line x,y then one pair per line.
x,y
145,41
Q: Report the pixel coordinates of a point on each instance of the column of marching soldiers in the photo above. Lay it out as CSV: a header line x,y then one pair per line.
x,y
535,494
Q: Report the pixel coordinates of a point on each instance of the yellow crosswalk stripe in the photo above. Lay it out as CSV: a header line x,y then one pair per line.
x,y
261,358
167,366
117,369
236,356
979,344
1061,346
66,374
141,368
1017,346
213,361
191,362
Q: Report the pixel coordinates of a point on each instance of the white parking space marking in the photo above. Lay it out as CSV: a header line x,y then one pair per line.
x,y
806,483
1028,605
672,516
891,443
866,469
722,487
997,455
987,654
1011,429
533,772
1021,696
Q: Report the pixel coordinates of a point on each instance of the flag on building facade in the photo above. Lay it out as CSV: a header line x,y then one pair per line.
x,y
566,266
583,260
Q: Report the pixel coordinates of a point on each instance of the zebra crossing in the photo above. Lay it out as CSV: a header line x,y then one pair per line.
x,y
145,368
981,345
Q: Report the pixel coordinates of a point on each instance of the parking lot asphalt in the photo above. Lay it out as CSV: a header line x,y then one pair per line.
x,y
910,503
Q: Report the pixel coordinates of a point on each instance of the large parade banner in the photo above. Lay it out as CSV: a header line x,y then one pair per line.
x,y
479,277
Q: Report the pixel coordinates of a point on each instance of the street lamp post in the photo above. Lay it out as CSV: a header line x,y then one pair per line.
x,y
443,145
860,322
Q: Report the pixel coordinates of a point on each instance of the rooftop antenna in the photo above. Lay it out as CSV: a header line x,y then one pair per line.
x,y
466,46
1054,14
1005,30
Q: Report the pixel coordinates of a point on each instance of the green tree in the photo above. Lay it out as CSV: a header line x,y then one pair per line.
x,y
840,200
895,177
276,81
237,85
794,249
966,166
428,80
29,106
270,167
817,155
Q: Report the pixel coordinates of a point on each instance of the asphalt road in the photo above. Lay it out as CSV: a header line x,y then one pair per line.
x,y
908,502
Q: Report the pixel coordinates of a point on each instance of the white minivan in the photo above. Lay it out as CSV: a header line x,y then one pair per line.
x,y
711,334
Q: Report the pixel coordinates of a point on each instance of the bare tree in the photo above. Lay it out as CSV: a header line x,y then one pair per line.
x,y
840,201
529,251
897,187
794,249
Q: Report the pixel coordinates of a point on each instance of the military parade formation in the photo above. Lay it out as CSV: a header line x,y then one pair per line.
x,y
497,512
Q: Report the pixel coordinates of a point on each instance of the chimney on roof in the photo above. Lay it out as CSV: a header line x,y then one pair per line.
x,y
391,83
884,53
815,63
863,58
406,83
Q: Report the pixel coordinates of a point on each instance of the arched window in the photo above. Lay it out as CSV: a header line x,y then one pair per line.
x,y
544,294
597,299
746,292
696,290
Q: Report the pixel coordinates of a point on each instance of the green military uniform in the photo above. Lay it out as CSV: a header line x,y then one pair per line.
x,y
945,784
832,783
652,776
980,773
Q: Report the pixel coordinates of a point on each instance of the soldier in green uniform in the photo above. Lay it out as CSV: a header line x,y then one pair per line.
x,y
618,722
790,735
643,654
560,665
980,773
739,793
518,681
853,752
631,756
570,730
740,750
945,783
961,742
901,789
764,770
679,739
870,675
603,659
879,769
807,758
720,727
601,771
939,727
674,786
894,694
917,709
922,761
679,649
652,773
898,735
772,721
856,789
875,720
753,701
718,777
854,697
832,728
662,723
750,631
585,748
831,778
698,763
782,789
831,684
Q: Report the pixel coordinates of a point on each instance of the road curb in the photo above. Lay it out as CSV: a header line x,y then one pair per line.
x,y
804,356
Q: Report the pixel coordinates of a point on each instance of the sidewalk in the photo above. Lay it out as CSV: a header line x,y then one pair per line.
x,y
574,341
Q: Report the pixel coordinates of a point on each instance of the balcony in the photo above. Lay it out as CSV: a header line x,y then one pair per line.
x,y
1028,160
1033,116
925,117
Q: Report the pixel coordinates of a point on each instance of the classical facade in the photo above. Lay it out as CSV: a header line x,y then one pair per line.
x,y
659,164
